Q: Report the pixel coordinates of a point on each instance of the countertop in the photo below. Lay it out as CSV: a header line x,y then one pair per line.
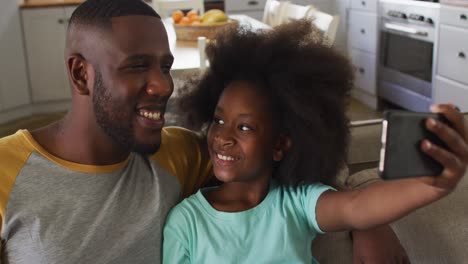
x,y
49,3
462,3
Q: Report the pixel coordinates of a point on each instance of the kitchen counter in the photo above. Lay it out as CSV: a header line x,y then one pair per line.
x,y
463,3
49,3
219,4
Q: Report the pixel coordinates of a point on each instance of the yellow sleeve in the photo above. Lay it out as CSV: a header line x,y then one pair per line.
x,y
185,154
14,151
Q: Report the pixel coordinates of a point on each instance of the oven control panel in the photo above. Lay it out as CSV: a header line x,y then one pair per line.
x,y
411,12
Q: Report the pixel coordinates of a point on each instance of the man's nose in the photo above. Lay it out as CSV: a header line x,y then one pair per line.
x,y
160,84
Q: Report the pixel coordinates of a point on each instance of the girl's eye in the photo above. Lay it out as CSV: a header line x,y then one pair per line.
x,y
244,128
218,121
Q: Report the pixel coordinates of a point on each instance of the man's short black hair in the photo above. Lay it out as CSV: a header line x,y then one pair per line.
x,y
99,12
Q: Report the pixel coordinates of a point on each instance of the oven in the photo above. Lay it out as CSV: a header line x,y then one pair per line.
x,y
407,52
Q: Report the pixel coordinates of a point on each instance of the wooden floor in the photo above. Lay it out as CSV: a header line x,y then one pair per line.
x,y
358,111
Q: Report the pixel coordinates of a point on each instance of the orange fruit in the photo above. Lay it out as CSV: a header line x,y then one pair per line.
x,y
194,18
184,21
194,23
177,16
192,13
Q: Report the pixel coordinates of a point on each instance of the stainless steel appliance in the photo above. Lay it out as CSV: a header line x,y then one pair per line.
x,y
406,61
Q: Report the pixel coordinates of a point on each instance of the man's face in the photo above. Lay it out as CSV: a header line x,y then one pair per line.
x,y
133,83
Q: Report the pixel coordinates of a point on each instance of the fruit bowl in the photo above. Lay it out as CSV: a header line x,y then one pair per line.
x,y
192,32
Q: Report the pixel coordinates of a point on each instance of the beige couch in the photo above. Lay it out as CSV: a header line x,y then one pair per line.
x,y
435,234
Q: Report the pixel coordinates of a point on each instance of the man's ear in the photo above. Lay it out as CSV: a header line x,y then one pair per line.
x,y
77,71
283,145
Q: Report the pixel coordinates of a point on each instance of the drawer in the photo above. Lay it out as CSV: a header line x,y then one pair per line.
x,y
456,16
362,31
448,91
365,65
365,5
453,53
244,5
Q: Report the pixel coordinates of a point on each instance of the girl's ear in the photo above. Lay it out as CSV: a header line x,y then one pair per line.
x,y
283,146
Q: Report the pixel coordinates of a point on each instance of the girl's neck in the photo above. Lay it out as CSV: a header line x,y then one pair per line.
x,y
238,196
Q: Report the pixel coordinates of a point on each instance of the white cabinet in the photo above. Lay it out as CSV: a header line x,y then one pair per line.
x,y
14,90
44,34
452,69
363,49
252,8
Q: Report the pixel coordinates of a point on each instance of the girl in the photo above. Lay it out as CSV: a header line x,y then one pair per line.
x,y
274,104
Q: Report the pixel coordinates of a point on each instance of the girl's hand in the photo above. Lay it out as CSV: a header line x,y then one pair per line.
x,y
455,158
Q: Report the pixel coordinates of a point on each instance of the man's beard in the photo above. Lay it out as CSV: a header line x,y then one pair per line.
x,y
115,122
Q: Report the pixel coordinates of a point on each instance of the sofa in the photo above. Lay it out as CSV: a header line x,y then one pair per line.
x,y
435,234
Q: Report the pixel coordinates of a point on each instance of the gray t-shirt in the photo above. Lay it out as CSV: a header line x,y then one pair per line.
x,y
55,211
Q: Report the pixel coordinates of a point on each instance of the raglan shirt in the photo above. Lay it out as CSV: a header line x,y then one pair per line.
x,y
56,211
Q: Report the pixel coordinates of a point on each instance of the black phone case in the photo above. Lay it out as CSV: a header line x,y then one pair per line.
x,y
401,155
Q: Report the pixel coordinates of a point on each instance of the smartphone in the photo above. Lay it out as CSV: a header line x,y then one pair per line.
x,y
401,155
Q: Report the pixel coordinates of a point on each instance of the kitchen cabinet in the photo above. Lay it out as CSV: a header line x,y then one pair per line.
x,y
14,89
451,84
252,8
44,34
362,38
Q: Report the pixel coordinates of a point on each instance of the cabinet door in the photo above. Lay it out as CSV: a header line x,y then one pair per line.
x,y
365,64
448,91
44,33
453,53
14,89
362,31
68,12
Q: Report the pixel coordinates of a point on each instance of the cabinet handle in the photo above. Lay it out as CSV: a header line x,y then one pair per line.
x,y
363,31
363,3
61,21
361,70
463,17
252,3
461,55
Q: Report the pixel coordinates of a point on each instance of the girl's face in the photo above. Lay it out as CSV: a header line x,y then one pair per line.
x,y
241,139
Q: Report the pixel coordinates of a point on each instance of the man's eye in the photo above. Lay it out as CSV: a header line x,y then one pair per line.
x,y
138,66
244,128
166,68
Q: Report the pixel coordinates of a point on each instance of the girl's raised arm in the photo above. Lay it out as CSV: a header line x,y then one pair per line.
x,y
384,202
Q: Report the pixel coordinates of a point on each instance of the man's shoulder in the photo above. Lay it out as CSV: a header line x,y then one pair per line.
x,y
174,133
179,141
14,147
14,153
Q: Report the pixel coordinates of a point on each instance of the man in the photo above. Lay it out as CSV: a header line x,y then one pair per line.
x,y
83,189
96,186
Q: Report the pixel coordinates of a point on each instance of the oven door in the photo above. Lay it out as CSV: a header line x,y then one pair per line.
x,y
406,65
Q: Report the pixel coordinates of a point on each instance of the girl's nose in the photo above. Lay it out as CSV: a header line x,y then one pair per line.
x,y
224,140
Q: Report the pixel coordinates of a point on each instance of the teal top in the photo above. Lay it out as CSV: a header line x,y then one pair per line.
x,y
278,230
